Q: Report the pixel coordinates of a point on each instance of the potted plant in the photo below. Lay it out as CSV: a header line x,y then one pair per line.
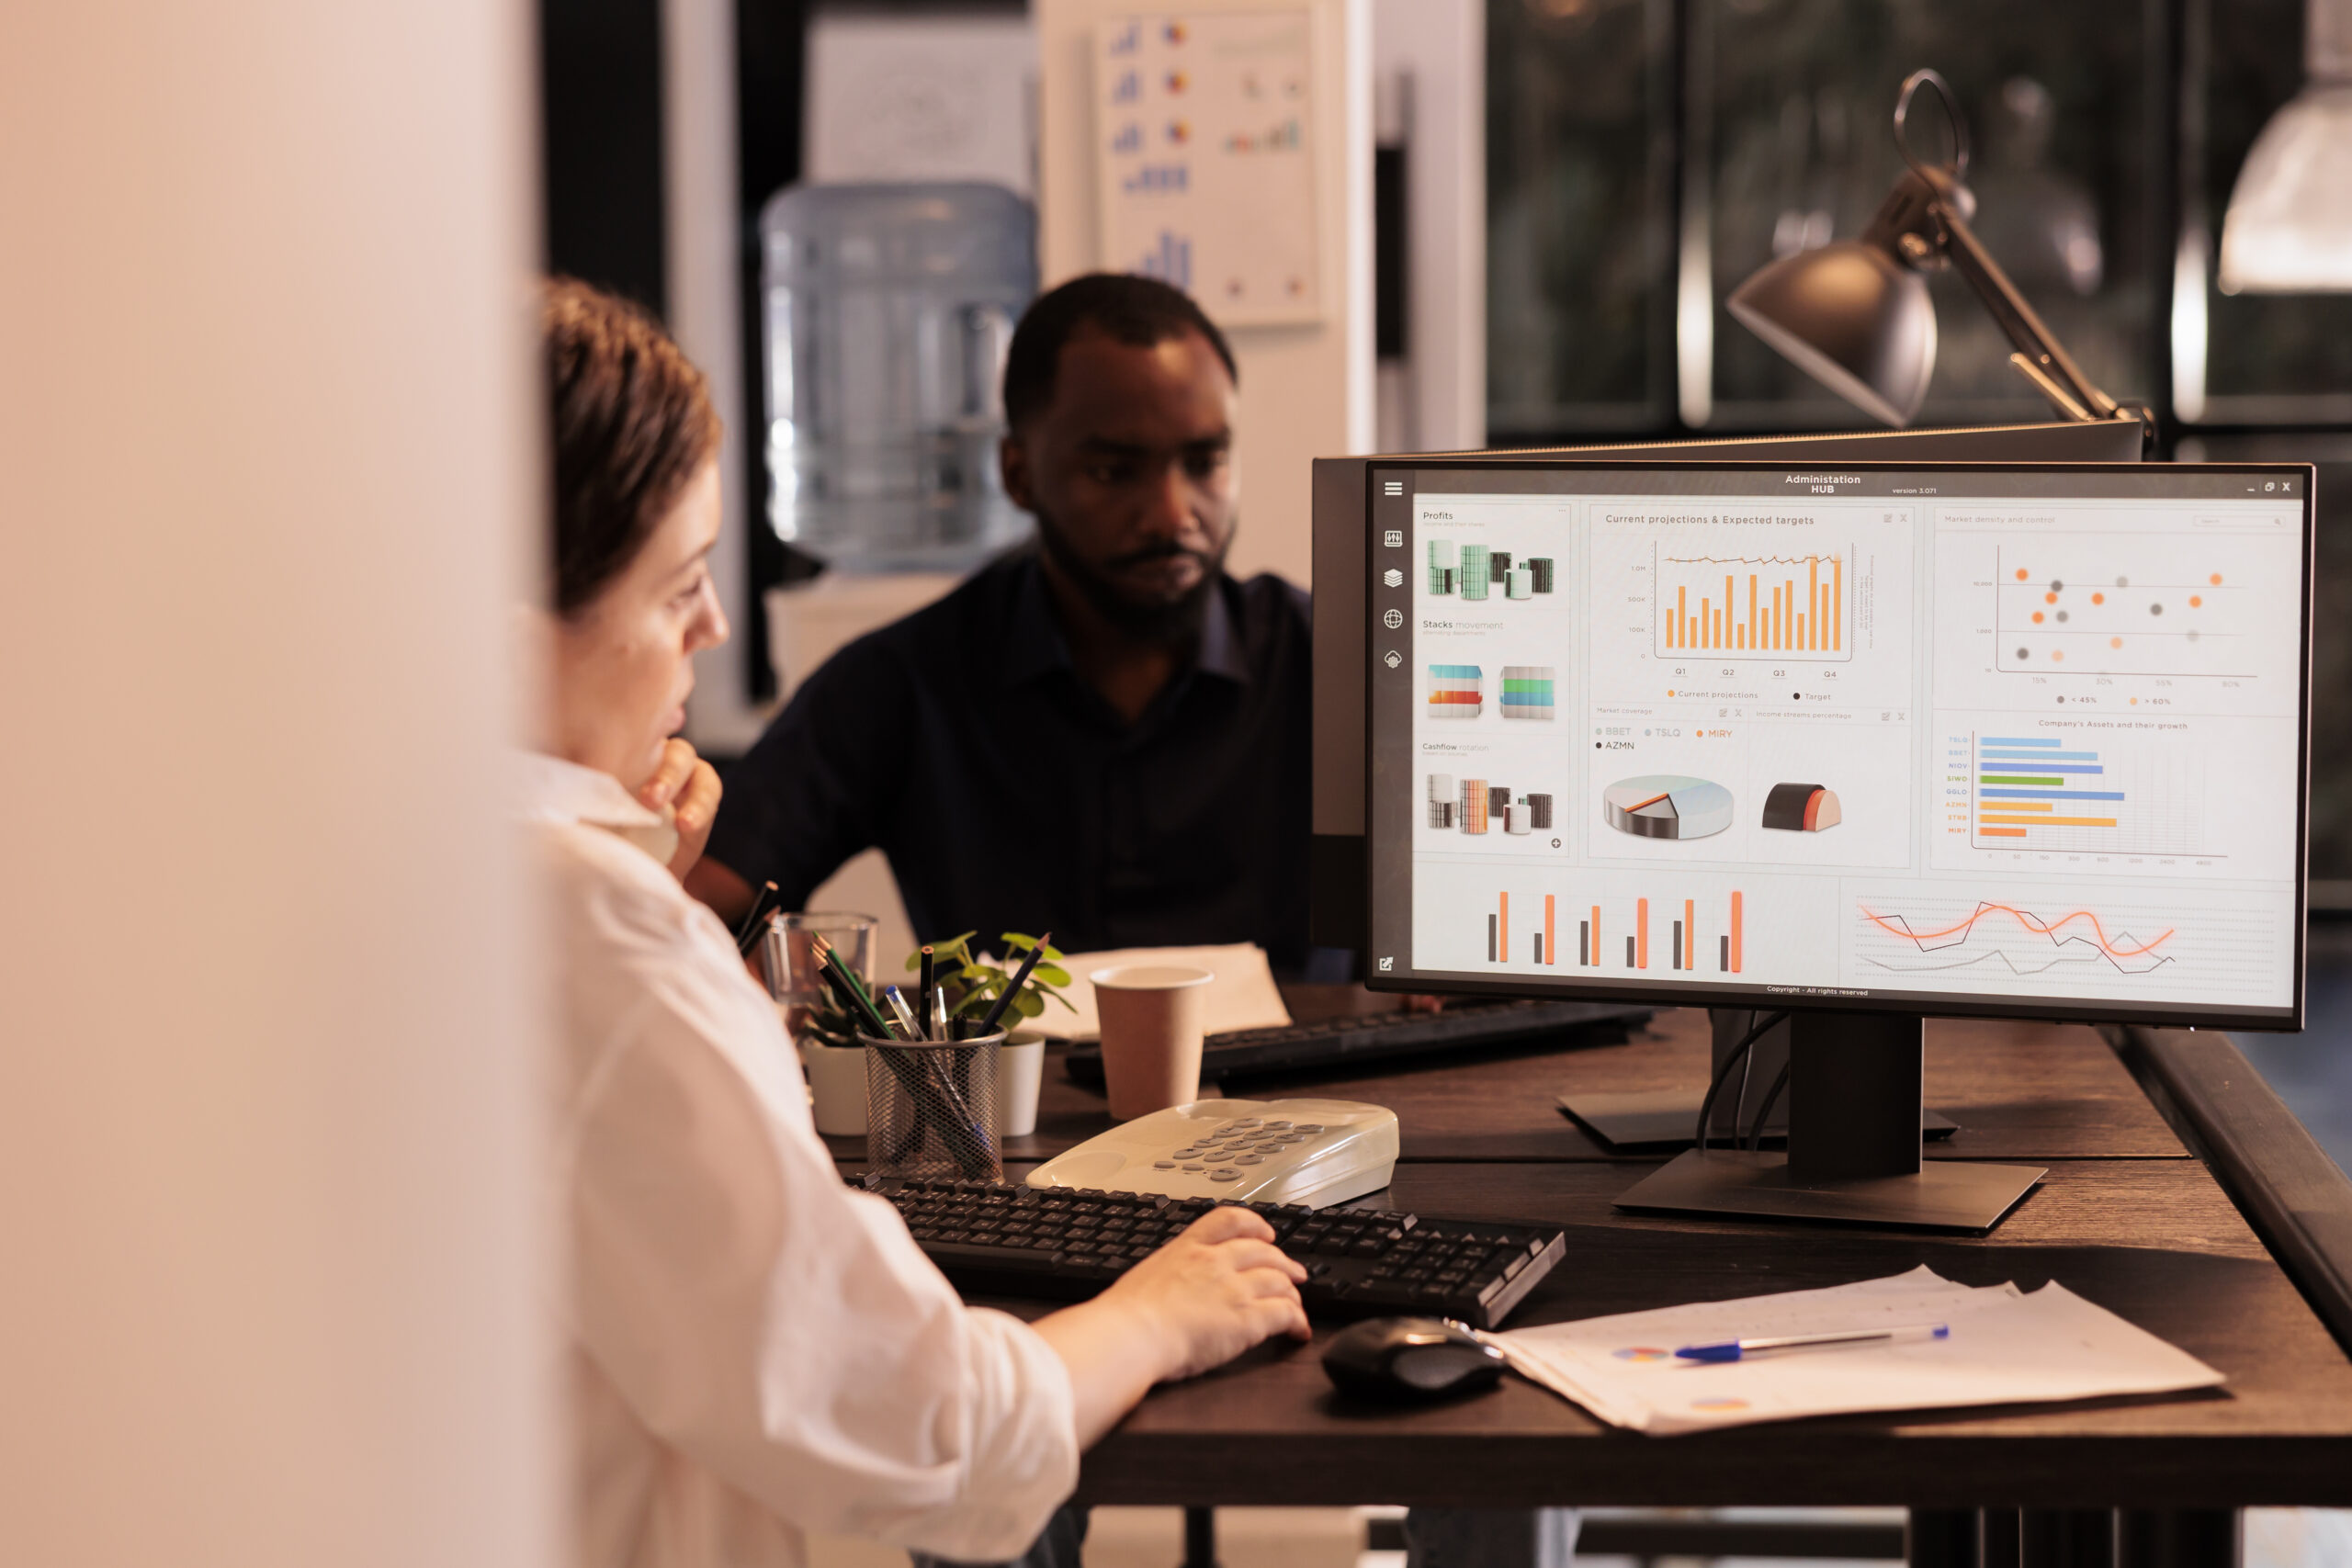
x,y
972,983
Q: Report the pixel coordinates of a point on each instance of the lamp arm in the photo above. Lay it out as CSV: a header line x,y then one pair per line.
x,y
2047,359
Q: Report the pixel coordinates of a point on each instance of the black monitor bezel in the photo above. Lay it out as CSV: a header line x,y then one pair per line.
x,y
1667,993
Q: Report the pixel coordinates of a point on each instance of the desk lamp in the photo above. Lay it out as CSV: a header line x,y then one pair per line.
x,y
1855,314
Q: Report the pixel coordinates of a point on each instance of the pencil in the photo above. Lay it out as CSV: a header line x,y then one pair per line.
x,y
988,1020
743,934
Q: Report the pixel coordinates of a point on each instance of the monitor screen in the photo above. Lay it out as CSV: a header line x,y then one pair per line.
x,y
1988,740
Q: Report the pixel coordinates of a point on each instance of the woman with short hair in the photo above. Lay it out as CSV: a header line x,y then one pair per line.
x,y
757,1351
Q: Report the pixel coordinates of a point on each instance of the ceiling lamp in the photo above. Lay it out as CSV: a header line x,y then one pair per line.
x,y
2288,230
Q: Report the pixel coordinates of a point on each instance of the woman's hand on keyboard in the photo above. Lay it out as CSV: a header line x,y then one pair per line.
x,y
1200,1300
1219,1289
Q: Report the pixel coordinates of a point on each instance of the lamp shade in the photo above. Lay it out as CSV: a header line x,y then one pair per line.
x,y
2289,225
1853,317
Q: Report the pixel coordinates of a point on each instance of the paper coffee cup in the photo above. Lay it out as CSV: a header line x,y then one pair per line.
x,y
1151,1035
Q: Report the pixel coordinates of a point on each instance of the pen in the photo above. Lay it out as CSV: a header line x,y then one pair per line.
x,y
988,1021
906,1015
923,987
1732,1349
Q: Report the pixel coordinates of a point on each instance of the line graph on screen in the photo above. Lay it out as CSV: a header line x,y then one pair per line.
x,y
2078,935
2042,942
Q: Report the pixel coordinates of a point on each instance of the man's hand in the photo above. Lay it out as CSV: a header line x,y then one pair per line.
x,y
687,787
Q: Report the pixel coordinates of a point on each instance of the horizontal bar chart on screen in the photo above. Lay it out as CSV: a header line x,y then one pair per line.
x,y
2057,792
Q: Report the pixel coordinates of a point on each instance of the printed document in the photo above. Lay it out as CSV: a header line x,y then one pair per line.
x,y
2005,1347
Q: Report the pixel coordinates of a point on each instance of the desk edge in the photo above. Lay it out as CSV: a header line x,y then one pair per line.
x,y
2295,1197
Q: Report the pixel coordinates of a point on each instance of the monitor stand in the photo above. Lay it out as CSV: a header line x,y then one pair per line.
x,y
1854,1144
1626,1121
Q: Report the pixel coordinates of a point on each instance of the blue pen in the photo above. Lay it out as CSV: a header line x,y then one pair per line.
x,y
1732,1349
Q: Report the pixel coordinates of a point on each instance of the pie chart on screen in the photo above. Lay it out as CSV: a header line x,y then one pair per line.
x,y
1667,806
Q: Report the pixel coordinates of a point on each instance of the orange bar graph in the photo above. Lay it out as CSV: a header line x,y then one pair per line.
x,y
1640,933
1772,619
1595,936
1550,933
1690,933
1735,933
1502,927
2000,832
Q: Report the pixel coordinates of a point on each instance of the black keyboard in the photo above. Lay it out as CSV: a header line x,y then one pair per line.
x,y
1362,1037
992,1239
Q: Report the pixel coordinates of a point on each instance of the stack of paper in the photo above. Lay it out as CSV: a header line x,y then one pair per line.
x,y
2005,1346
1242,994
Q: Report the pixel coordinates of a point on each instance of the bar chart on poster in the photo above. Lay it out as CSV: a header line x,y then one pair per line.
x,y
1206,159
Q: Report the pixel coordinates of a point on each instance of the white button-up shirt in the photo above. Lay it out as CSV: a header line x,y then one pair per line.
x,y
757,1351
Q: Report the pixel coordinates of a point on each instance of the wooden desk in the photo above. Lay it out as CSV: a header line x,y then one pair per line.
x,y
2128,1217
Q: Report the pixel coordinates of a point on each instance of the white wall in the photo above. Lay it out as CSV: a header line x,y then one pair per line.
x,y
267,1171
1429,64
1306,393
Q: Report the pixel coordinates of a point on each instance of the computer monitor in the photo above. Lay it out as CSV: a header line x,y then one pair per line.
x,y
1865,741
1336,860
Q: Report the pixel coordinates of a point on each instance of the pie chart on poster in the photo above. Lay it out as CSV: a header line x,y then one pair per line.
x,y
1667,806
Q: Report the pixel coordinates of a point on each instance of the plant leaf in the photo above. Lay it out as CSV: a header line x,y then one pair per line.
x,y
1048,974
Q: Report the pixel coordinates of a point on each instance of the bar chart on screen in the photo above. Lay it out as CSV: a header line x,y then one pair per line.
x,y
1570,925
2198,950
2079,793
1784,605
1784,608
1562,930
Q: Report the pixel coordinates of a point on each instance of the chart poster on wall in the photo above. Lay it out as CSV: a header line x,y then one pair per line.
x,y
1206,155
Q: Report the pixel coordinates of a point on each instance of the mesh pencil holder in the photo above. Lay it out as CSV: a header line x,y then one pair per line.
x,y
930,1109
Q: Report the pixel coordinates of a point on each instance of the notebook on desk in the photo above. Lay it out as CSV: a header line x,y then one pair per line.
x,y
1242,995
1351,1038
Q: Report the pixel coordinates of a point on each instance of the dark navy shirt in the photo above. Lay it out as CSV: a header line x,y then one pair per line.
x,y
1009,796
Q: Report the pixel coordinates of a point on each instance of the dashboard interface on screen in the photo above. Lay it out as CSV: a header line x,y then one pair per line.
x,y
1963,740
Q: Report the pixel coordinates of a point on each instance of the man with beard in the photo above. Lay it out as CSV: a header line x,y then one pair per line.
x,y
1104,735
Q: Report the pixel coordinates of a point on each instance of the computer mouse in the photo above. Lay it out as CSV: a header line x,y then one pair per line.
x,y
1421,1357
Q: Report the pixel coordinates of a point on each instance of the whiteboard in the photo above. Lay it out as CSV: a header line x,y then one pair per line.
x,y
1205,151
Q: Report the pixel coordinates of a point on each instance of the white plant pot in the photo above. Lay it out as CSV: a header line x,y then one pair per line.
x,y
1020,1071
836,1086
